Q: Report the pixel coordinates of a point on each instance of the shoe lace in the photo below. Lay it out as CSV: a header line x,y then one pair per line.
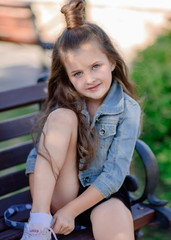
x,y
53,233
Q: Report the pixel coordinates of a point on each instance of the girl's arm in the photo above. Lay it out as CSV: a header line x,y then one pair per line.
x,y
64,219
86,200
117,164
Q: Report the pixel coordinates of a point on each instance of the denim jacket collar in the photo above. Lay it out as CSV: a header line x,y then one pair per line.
x,y
114,101
112,104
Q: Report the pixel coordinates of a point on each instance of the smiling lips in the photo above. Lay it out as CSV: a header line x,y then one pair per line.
x,y
94,88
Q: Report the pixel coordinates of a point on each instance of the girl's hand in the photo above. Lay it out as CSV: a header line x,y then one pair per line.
x,y
64,221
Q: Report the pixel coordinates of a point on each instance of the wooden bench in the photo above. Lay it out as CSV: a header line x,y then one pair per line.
x,y
18,25
146,209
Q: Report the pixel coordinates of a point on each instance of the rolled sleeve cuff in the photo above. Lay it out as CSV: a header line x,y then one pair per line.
x,y
104,188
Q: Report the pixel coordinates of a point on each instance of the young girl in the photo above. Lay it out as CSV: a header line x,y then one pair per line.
x,y
89,126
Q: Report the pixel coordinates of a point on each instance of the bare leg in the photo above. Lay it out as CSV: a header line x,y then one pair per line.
x,y
55,177
112,220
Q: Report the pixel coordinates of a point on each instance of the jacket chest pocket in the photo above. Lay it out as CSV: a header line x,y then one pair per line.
x,y
106,133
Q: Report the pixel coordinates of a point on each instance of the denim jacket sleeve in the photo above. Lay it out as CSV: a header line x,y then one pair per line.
x,y
119,157
31,161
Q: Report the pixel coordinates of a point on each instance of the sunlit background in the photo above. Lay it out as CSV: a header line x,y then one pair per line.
x,y
131,24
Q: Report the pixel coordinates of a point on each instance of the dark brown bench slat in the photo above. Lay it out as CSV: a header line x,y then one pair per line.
x,y
12,234
13,34
12,27
19,217
13,156
23,96
26,38
13,182
17,127
14,4
142,215
23,197
11,14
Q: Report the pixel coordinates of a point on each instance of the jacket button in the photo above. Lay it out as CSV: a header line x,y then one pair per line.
x,y
102,132
87,179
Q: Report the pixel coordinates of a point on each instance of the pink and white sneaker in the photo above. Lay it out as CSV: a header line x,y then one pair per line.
x,y
36,231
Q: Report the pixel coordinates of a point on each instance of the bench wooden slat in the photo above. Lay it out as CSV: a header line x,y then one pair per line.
x,y
17,127
14,4
23,96
11,29
13,182
27,38
23,197
7,24
19,217
142,215
12,234
13,156
11,14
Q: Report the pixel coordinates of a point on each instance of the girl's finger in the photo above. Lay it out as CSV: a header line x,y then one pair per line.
x,y
66,231
57,228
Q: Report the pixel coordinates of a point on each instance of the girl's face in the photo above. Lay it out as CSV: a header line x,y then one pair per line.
x,y
89,70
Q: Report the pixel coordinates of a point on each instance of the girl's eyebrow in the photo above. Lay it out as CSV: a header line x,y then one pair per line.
x,y
96,62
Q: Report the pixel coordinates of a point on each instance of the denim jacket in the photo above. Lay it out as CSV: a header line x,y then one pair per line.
x,y
117,122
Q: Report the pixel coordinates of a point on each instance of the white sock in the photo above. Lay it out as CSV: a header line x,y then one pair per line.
x,y
41,218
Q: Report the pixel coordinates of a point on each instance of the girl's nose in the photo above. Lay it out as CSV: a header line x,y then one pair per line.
x,y
89,78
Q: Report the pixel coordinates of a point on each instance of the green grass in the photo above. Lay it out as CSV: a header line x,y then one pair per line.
x,y
153,233
18,112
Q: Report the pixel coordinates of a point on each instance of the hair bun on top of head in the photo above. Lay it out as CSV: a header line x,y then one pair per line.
x,y
74,13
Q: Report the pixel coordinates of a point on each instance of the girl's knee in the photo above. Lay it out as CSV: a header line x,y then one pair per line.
x,y
63,116
110,208
59,126
103,209
59,136
112,219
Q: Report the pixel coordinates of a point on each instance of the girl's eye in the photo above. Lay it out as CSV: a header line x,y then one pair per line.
x,y
78,74
95,66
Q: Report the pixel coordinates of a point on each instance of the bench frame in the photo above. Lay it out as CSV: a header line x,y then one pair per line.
x,y
146,209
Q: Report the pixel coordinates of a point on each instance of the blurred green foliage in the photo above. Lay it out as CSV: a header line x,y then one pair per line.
x,y
151,71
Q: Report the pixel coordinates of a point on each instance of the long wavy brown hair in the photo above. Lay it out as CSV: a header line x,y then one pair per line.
x,y
60,90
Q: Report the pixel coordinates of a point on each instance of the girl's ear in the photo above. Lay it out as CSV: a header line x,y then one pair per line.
x,y
113,65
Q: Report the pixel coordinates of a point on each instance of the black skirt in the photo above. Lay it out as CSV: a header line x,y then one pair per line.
x,y
122,194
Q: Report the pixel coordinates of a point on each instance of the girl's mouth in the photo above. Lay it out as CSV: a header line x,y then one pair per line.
x,y
94,88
